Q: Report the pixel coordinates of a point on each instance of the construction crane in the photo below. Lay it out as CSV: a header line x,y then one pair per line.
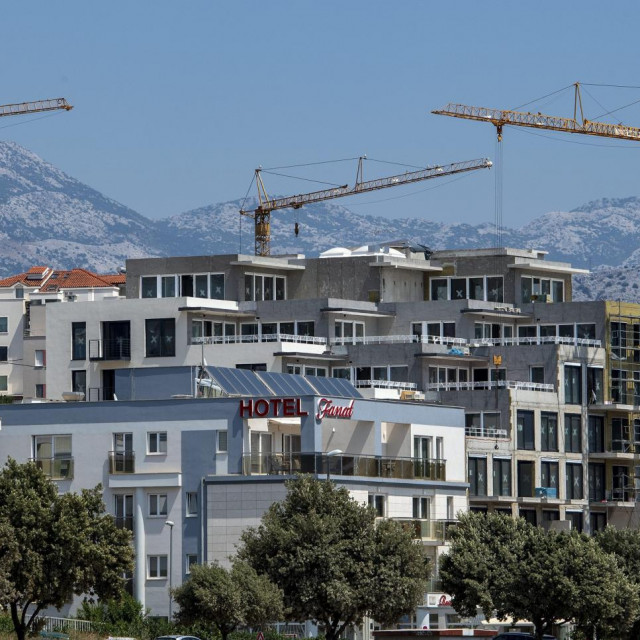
x,y
262,214
38,106
500,117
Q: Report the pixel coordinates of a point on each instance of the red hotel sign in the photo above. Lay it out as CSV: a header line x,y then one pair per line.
x,y
288,407
326,409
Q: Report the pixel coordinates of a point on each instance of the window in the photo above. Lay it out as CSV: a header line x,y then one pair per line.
x,y
495,289
620,436
191,504
157,505
572,384
525,428
422,447
572,433
529,516
598,521
376,501
478,476
156,567
595,385
536,374
190,560
439,289
596,482
123,511
264,287
149,287
161,337
319,372
4,354
501,477
541,289
216,290
575,518
168,286
157,442
19,293
548,431
222,442
525,479
4,324
79,381
549,475
596,434
40,358
349,330
574,481
52,454
619,386
3,383
41,391
78,340
422,508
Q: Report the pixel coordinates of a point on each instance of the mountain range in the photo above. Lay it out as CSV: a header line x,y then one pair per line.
x,y
48,217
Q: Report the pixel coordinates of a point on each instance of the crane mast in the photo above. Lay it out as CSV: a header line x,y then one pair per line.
x,y
37,106
262,214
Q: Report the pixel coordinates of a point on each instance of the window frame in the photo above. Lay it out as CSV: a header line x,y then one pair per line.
x,y
159,573
191,501
158,443
160,499
167,350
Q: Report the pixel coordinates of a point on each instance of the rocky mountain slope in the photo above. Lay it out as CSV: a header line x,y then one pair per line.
x,y
48,217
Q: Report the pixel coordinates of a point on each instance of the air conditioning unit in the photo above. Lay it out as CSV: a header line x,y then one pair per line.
x,y
546,492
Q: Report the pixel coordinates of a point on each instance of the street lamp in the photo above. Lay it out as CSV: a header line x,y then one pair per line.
x,y
331,454
170,524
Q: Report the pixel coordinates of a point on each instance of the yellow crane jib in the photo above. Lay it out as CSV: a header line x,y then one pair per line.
x,y
262,214
22,108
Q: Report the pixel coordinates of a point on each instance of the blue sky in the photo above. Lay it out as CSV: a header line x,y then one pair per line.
x,y
176,103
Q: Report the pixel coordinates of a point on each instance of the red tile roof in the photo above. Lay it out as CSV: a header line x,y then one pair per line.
x,y
57,280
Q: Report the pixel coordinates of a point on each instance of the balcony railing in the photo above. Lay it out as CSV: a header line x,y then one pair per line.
x,y
402,339
56,468
485,432
270,337
112,349
385,384
124,522
343,465
423,529
97,394
122,462
536,340
495,384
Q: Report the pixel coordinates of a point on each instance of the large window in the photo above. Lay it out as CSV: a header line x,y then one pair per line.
x,y
549,475
79,381
548,431
526,433
572,433
595,385
198,285
160,337
596,434
501,477
422,508
157,567
574,481
79,340
490,288
572,384
52,454
4,324
157,442
157,505
4,354
525,479
377,502
541,289
596,482
3,383
349,330
264,287
478,476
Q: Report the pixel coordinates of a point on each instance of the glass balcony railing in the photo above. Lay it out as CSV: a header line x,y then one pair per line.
x,y
122,462
124,522
428,530
56,468
343,465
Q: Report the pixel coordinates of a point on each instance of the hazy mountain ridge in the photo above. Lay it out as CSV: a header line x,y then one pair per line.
x,y
48,217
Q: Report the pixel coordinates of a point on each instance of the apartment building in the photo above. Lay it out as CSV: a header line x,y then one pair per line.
x,y
187,475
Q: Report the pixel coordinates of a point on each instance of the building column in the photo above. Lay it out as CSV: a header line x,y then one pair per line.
x,y
310,428
235,444
377,438
140,548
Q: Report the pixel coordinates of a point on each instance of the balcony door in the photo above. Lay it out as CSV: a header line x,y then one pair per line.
x,y
123,460
123,507
116,340
260,451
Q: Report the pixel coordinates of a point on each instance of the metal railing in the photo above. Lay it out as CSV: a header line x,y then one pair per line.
x,y
385,384
493,384
343,465
401,339
56,468
424,529
121,462
112,349
97,394
536,340
63,624
124,522
485,432
269,337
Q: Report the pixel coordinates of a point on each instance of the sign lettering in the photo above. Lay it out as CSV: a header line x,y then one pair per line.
x,y
326,409
444,601
291,407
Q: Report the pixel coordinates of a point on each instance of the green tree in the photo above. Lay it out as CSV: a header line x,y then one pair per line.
x,y
227,599
64,545
625,545
334,566
508,567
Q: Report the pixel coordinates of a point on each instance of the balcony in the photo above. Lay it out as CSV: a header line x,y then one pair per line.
x,y
56,468
270,337
124,522
485,432
483,386
113,349
535,340
428,530
343,465
121,462
401,339
385,384
98,394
